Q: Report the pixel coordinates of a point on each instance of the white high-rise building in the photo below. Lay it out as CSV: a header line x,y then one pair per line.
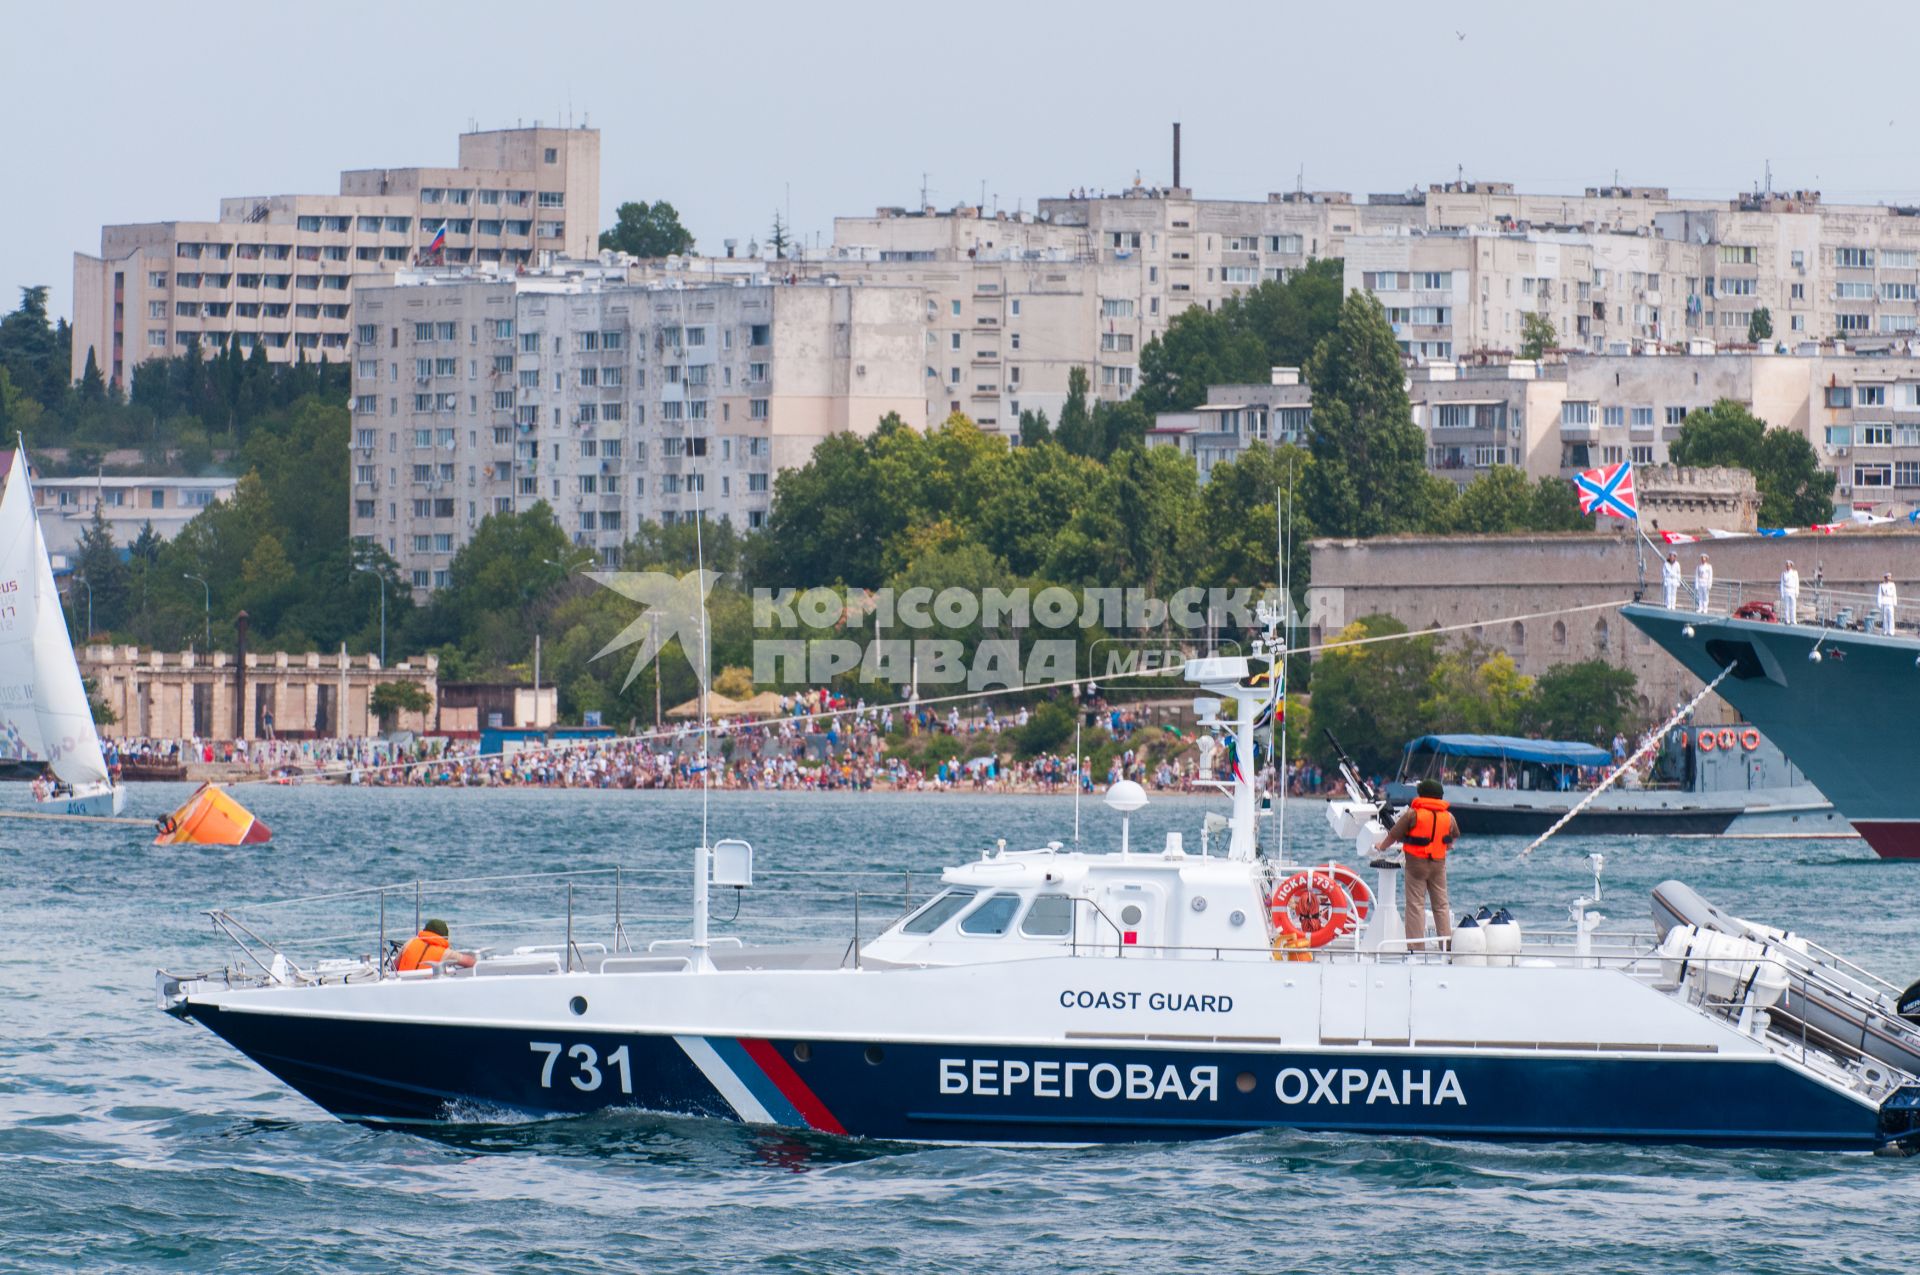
x,y
614,403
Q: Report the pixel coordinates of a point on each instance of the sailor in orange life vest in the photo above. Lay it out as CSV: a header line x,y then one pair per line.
x,y
1426,829
429,947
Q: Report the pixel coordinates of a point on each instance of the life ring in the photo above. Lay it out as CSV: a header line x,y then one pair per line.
x,y
1705,741
1356,887
1726,737
1749,739
1312,905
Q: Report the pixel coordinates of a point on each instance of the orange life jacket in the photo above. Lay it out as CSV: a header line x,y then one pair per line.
x,y
423,949
1434,828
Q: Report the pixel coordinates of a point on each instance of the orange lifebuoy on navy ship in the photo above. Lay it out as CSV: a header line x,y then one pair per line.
x,y
1705,741
1749,739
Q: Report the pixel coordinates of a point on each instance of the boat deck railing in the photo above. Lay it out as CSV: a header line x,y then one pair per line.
x,y
622,910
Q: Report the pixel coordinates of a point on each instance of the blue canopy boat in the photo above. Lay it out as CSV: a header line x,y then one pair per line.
x,y
1705,781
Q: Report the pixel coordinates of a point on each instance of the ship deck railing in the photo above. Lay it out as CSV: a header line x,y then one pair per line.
x,y
1818,606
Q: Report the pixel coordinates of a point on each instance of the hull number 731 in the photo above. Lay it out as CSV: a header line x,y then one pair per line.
x,y
585,1063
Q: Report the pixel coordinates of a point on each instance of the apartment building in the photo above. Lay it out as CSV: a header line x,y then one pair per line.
x,y
480,392
1477,416
278,270
1016,301
128,505
1859,410
1235,417
1863,417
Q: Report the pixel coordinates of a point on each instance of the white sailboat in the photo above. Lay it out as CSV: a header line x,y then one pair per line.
x,y
44,712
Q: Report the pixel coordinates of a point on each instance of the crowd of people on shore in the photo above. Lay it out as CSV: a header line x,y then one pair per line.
x,y
819,741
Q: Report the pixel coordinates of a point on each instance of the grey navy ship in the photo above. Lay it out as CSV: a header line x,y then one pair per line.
x,y
1835,700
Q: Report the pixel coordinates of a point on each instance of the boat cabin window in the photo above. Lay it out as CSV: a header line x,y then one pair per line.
x,y
938,912
1051,916
994,917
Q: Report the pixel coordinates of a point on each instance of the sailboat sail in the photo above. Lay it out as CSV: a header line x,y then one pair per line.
x,y
19,545
60,700
48,677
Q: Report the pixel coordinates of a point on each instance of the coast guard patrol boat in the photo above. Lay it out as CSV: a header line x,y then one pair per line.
x,y
1156,992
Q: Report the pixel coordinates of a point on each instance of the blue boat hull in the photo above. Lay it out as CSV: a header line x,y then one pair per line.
x,y
400,1072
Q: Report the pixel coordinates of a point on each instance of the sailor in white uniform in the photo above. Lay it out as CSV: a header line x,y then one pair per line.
x,y
1670,579
1789,595
1702,585
1888,600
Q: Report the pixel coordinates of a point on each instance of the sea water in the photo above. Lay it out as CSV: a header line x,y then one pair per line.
x,y
132,1141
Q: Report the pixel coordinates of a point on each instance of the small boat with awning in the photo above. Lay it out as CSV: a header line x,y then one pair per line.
x,y
1706,781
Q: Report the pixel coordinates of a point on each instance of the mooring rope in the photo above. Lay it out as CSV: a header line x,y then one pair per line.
x,y
1652,742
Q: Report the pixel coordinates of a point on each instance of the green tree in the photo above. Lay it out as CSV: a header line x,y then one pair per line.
x,y
1590,701
1241,511
266,580
1536,336
647,230
390,699
30,349
1075,431
1556,506
780,238
1794,490
1372,697
1139,526
1723,434
1499,500
1118,424
1760,326
1369,470
1477,691
493,582
1034,429
1049,728
97,562
93,388
1274,324
1027,497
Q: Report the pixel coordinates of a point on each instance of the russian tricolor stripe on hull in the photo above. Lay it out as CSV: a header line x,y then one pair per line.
x,y
759,1084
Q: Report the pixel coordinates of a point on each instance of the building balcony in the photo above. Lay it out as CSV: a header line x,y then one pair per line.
x,y
1579,433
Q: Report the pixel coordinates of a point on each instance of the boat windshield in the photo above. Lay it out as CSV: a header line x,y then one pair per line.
x,y
938,912
1051,916
994,917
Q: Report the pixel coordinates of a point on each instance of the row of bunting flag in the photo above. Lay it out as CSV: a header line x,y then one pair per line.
x,y
1609,491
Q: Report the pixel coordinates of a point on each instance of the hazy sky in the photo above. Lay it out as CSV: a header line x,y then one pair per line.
x,y
145,112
